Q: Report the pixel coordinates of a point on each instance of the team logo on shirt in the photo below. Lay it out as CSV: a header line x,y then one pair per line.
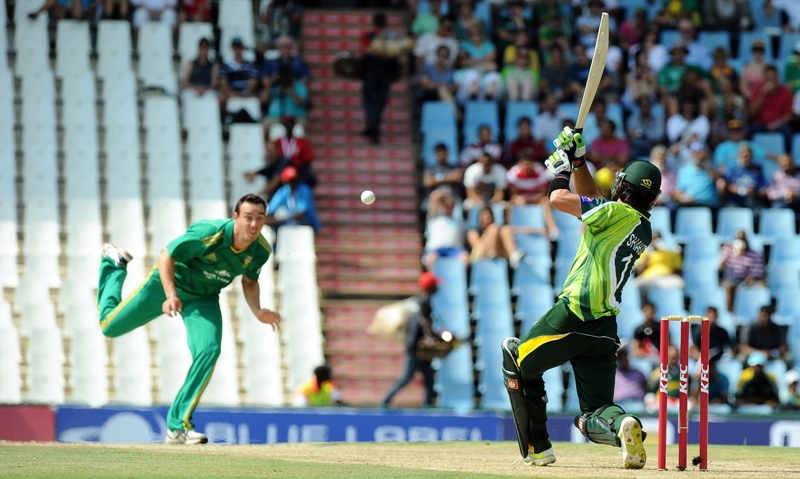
x,y
211,257
247,261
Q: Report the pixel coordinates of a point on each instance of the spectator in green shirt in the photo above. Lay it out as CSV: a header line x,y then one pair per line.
x,y
427,22
792,74
670,77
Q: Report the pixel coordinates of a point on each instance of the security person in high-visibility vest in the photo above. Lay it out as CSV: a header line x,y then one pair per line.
x,y
318,391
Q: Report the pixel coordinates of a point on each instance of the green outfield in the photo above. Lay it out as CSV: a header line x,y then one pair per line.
x,y
395,460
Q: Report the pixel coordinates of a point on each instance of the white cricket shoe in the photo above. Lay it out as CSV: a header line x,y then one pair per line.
x,y
542,459
118,255
630,434
186,436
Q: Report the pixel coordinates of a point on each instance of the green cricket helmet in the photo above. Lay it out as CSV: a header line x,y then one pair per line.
x,y
641,176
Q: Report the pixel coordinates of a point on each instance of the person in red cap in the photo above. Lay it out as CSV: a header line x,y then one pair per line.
x,y
293,203
419,325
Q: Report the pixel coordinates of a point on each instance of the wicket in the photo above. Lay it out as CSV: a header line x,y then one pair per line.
x,y
683,398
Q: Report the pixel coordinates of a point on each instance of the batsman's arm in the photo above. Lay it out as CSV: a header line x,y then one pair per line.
x,y
584,183
561,198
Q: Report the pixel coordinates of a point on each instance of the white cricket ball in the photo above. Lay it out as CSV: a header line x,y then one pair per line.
x,y
367,197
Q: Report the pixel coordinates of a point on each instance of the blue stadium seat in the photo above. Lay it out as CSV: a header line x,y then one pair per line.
x,y
454,380
701,299
516,110
438,115
536,247
787,308
701,275
531,216
630,315
785,251
530,273
701,249
712,40
783,277
435,136
479,113
661,221
562,271
771,142
532,302
566,250
786,48
489,354
554,385
667,301
731,368
493,390
669,38
746,40
796,146
768,167
568,225
737,64
488,272
794,341
495,321
762,22
483,11
573,403
614,113
731,220
747,300
693,222
775,224
568,110
450,303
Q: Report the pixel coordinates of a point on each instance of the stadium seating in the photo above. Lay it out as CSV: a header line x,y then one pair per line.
x,y
246,150
746,40
72,48
531,272
478,114
113,50
131,359
45,361
88,358
775,224
747,301
189,38
771,142
530,216
454,380
10,357
437,115
516,110
488,272
30,43
693,222
732,220
433,137
532,302
715,39
155,56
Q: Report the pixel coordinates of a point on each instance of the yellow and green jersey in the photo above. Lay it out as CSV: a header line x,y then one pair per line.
x,y
615,235
205,261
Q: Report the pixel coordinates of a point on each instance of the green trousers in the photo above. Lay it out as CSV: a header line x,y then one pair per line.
x,y
201,316
591,347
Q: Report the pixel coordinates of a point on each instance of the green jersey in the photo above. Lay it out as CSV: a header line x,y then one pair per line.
x,y
616,234
205,261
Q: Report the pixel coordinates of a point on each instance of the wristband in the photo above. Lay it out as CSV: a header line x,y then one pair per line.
x,y
560,182
173,295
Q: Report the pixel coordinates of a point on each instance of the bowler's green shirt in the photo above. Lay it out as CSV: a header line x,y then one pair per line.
x,y
205,261
615,235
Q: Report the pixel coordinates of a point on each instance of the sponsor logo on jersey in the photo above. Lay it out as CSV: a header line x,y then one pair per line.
x,y
224,273
211,257
512,383
247,261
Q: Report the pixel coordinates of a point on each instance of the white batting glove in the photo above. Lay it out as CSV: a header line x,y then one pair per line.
x,y
572,142
558,162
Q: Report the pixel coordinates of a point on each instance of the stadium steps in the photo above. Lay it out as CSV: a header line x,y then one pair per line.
x,y
367,256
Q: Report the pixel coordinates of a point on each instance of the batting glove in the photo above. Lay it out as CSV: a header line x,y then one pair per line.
x,y
572,142
559,162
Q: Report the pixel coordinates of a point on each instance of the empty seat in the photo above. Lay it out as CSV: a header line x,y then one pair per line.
x,y
747,301
454,380
72,48
530,273
776,224
167,221
433,138
701,274
45,362
200,111
667,301
223,388
732,220
770,142
263,372
785,251
88,358
437,115
113,49
189,37
783,277
125,223
251,105
208,209
661,221
715,39
122,87
530,216
491,383
236,12
693,222
84,227
532,302
10,357
295,243
516,110
155,56
30,43
207,185
246,151
131,358
477,114
487,272
173,362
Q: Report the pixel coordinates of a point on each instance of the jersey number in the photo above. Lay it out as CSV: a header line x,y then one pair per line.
x,y
627,262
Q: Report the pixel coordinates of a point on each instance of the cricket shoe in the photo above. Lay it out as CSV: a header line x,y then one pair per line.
x,y
186,436
631,437
119,256
541,459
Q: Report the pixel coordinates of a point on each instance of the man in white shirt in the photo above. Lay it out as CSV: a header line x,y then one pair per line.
x,y
548,123
485,182
445,233
153,11
681,126
429,43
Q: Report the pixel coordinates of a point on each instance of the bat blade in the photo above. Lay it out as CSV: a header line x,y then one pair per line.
x,y
595,71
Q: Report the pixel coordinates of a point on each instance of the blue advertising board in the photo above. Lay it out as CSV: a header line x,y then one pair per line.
x,y
268,426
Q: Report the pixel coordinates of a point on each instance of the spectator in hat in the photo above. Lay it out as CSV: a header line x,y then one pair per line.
x,y
629,384
756,386
201,75
784,191
739,264
792,401
753,72
420,325
744,182
765,337
729,15
319,391
695,184
154,11
771,107
237,77
484,144
293,203
670,77
791,75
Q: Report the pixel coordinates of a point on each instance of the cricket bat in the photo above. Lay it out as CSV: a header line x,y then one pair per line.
x,y
595,71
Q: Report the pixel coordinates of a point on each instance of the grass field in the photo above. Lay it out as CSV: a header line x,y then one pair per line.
x,y
395,460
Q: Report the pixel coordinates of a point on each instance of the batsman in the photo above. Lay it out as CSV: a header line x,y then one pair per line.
x,y
581,327
185,284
